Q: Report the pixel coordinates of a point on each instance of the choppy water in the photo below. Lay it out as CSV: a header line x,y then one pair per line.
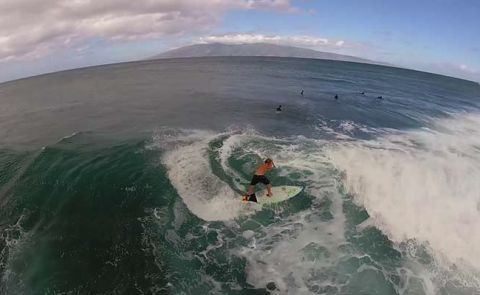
x,y
124,179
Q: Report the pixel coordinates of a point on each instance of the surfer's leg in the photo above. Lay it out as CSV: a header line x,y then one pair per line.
x,y
269,190
266,181
251,189
250,196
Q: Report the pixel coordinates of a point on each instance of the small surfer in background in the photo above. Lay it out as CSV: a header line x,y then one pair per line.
x,y
260,177
279,109
301,92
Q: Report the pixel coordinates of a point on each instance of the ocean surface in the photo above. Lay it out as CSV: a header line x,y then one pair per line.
x,y
126,179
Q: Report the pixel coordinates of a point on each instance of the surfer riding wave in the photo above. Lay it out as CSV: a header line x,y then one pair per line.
x,y
260,177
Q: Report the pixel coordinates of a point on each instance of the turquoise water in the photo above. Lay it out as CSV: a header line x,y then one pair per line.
x,y
125,179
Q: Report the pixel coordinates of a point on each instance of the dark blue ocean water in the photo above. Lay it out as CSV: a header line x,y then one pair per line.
x,y
125,179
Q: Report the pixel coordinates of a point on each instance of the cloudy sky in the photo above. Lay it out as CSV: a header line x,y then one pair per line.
x,y
38,36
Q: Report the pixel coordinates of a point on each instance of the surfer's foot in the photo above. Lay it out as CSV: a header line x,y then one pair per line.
x,y
249,198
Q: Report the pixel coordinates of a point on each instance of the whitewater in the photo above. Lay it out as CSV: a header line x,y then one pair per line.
x,y
419,187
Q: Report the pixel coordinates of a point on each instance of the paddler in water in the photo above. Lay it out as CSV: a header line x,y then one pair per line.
x,y
260,177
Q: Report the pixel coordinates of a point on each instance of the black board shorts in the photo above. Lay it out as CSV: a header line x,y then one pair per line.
x,y
259,178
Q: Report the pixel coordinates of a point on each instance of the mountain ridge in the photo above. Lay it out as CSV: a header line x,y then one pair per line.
x,y
256,49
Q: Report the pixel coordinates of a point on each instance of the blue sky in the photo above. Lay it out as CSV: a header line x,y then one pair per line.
x,y
38,36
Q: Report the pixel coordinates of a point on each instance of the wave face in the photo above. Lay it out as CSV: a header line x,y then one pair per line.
x,y
126,179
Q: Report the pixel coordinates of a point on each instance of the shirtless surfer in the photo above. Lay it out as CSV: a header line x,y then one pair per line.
x,y
260,177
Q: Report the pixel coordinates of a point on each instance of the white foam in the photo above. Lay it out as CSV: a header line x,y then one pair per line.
x,y
342,130
14,238
348,126
276,253
190,172
422,185
414,185
229,145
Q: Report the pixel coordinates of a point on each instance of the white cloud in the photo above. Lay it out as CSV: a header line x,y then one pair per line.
x,y
461,71
31,28
467,69
300,41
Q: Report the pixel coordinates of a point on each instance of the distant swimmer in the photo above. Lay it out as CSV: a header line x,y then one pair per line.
x,y
362,93
380,97
279,109
259,176
301,92
336,96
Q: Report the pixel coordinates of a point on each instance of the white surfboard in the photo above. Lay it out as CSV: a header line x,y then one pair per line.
x,y
280,194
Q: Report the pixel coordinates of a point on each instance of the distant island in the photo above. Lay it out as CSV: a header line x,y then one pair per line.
x,y
255,49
